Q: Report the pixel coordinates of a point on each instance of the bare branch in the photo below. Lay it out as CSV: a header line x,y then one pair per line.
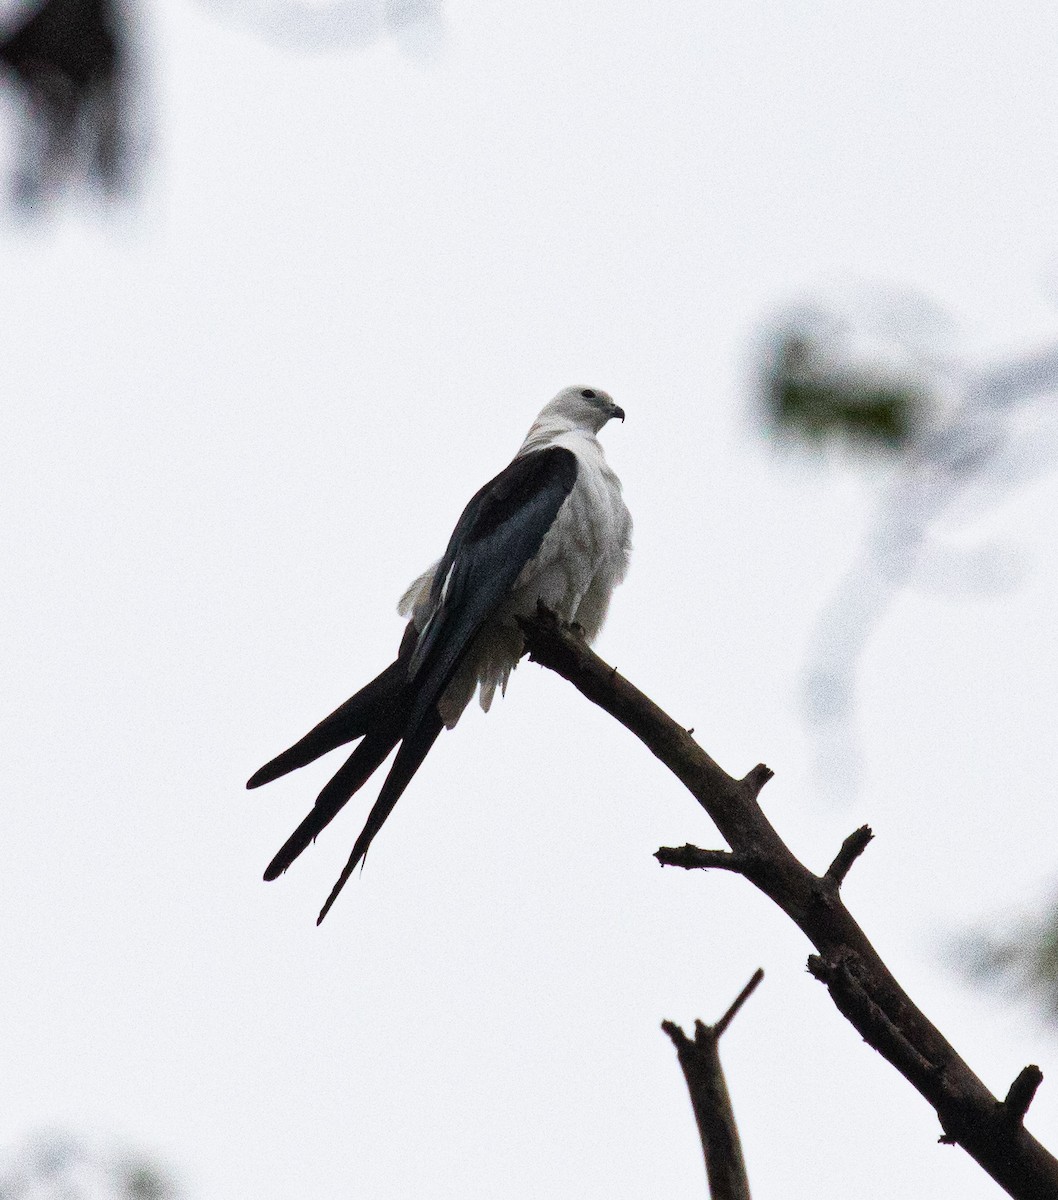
x,y
757,778
700,1061
739,1000
851,849
859,982
691,857
1021,1093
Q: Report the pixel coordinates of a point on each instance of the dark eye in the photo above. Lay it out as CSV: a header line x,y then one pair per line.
x,y
588,394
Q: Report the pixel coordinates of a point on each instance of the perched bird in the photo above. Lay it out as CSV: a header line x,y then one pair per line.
x,y
550,529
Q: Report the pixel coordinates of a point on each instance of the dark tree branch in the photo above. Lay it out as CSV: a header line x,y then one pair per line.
x,y
739,1000
859,982
700,1061
851,849
1021,1093
691,858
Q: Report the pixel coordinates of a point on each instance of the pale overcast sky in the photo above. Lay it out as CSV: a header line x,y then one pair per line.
x,y
241,417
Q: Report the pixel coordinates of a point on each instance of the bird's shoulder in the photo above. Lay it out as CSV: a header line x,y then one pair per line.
x,y
550,472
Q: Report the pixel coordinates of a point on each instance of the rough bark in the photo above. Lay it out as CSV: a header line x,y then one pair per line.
x,y
860,984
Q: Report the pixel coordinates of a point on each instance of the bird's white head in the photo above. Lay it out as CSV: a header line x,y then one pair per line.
x,y
582,407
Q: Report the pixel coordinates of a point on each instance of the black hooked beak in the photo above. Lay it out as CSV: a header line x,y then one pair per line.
x,y
619,413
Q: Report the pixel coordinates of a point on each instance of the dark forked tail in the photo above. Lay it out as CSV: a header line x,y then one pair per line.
x,y
378,713
409,758
349,721
360,766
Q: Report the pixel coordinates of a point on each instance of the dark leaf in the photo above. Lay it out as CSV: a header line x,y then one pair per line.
x,y
814,403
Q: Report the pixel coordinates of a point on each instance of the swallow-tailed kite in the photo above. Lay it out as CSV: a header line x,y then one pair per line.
x,y
550,529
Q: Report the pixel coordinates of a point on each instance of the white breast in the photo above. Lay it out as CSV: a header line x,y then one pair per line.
x,y
583,557
585,552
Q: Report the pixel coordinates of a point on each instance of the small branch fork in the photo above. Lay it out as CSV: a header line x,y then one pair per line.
x,y
860,984
700,1061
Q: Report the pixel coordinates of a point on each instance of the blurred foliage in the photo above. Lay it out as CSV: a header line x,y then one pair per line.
x,y
815,401
58,1166
69,62
875,376
1024,961
941,442
142,1181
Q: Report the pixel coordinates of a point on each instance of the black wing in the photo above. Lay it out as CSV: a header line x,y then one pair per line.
x,y
501,529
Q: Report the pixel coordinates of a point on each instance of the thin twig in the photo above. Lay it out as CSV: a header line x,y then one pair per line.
x,y
739,1000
